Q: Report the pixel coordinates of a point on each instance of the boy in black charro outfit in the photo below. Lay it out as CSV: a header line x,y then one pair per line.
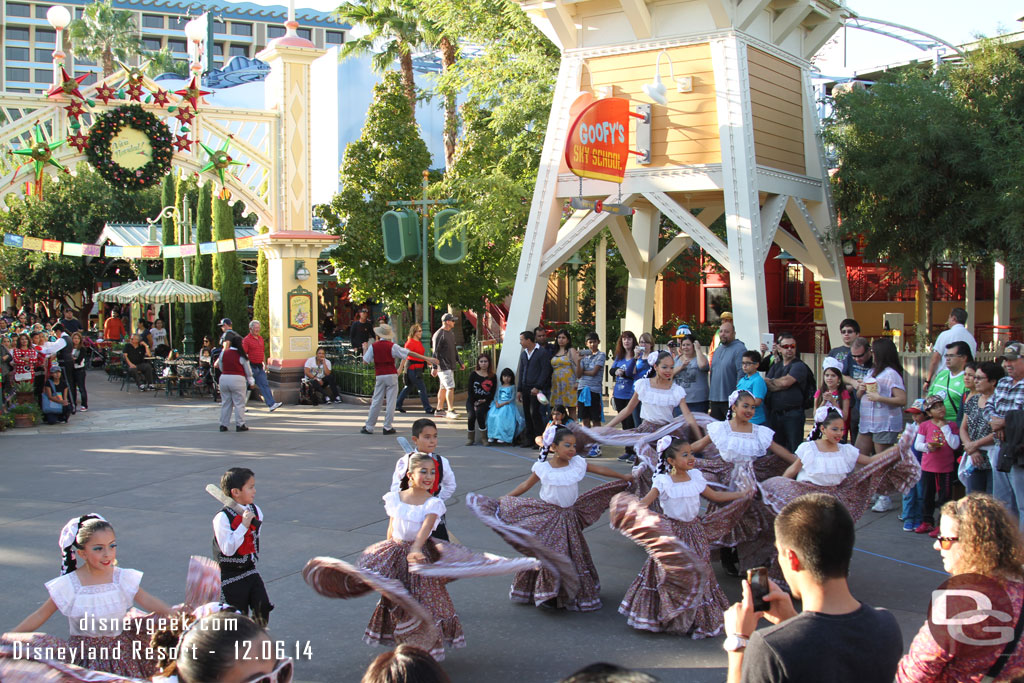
x,y
236,547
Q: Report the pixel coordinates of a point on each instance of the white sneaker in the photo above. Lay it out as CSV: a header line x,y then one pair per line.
x,y
451,415
276,406
883,504
327,401
595,450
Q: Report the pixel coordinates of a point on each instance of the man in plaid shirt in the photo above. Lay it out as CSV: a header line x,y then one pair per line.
x,y
1009,395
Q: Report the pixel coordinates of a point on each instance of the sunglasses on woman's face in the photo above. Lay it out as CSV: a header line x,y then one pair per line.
x,y
282,673
946,542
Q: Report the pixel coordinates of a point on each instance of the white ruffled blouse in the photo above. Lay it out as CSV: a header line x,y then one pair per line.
x,y
680,499
560,485
407,519
95,610
656,405
825,469
740,446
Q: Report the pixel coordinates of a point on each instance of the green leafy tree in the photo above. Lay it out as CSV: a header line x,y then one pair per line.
x,y
202,265
385,163
104,34
912,172
163,61
261,300
167,187
74,208
227,269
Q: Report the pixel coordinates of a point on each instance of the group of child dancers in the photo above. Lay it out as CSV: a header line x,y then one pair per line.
x,y
735,466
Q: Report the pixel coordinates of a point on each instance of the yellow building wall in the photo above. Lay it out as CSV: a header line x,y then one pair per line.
x,y
776,103
686,130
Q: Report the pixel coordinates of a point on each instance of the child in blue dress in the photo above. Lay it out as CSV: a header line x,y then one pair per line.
x,y
504,421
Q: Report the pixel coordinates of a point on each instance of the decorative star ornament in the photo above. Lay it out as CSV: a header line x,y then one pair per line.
x,y
78,140
193,92
134,92
219,161
185,115
183,143
132,75
75,109
40,155
161,98
105,92
68,86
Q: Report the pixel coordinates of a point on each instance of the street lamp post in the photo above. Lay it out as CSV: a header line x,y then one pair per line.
x,y
183,219
59,18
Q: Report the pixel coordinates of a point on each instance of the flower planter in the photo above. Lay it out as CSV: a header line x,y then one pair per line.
x,y
21,398
24,420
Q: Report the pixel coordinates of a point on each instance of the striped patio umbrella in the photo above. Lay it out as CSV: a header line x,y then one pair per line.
x,y
120,294
173,292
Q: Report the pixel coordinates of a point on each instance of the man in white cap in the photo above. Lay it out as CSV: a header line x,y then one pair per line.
x,y
384,353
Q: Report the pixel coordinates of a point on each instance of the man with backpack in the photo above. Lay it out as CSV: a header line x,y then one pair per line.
x,y
790,383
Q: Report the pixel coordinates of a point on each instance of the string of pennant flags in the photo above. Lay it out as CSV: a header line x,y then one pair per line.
x,y
149,251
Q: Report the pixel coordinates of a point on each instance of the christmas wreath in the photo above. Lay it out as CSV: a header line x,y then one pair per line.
x,y
106,126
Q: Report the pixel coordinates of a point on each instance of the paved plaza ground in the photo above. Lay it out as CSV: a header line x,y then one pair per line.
x,y
142,461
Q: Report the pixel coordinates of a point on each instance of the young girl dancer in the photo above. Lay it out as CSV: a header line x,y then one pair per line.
x,y
413,515
504,421
833,393
95,595
826,465
653,602
557,520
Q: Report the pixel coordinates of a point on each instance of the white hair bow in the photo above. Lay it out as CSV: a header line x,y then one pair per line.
x,y
663,443
549,436
733,397
70,530
831,362
822,413
652,357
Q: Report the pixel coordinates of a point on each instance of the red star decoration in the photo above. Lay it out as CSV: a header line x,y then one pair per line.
x,y
75,109
183,143
79,141
134,92
161,98
185,115
68,85
193,92
105,92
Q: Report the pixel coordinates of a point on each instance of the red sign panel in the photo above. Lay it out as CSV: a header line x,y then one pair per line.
x,y
599,139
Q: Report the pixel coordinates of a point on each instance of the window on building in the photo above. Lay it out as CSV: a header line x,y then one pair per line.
x,y
218,27
79,12
20,54
305,33
12,33
275,31
796,285
44,76
239,51
46,36
41,11
16,9
152,21
334,37
82,61
239,29
90,79
152,44
19,91
44,55
177,46
218,49
15,74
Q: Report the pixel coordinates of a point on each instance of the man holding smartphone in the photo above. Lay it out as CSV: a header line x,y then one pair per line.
x,y
827,641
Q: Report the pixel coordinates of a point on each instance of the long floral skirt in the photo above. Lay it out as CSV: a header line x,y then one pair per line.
x,y
652,603
389,623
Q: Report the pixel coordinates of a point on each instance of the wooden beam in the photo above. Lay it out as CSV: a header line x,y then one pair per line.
x,y
721,12
639,17
821,34
562,23
688,223
748,10
575,233
789,20
627,247
670,251
771,214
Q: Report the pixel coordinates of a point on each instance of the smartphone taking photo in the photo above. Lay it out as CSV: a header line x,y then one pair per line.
x,y
758,580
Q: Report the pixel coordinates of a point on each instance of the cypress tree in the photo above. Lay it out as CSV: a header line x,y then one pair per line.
x,y
261,301
202,266
227,269
168,234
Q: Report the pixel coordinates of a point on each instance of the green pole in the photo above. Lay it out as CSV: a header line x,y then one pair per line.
x,y
187,343
425,332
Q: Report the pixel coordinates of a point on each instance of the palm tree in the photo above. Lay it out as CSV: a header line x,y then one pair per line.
x,y
104,34
393,32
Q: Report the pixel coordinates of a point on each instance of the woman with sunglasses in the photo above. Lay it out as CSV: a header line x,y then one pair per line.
x,y
978,541
228,647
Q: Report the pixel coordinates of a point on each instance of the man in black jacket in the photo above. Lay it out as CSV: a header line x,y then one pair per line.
x,y
533,377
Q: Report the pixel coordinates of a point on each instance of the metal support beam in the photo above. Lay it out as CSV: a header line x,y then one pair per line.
x,y
771,214
748,10
688,223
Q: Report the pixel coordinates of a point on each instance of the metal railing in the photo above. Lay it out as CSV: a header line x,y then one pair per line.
x,y
356,378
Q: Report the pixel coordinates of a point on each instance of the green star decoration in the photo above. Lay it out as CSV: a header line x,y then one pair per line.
x,y
132,75
40,153
220,160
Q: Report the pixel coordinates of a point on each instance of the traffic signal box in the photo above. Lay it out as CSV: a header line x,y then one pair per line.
x,y
401,235
449,240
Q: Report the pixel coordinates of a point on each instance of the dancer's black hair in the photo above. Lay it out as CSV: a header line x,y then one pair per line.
x,y
670,452
560,434
728,414
561,410
87,526
830,416
507,371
